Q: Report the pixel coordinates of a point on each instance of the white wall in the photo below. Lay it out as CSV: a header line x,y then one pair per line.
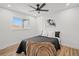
x,y
9,36
44,27
67,22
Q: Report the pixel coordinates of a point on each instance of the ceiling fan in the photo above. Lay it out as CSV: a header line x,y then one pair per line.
x,y
39,7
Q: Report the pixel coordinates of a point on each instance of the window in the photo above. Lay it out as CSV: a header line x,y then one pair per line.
x,y
16,23
19,23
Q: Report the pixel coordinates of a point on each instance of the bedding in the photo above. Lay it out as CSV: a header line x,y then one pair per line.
x,y
40,49
46,39
23,44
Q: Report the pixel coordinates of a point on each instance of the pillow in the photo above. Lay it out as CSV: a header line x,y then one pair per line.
x,y
44,33
51,34
57,34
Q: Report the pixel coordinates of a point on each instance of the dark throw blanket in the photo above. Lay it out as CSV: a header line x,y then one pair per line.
x,y
22,47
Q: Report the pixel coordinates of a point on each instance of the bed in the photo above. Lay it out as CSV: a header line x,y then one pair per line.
x,y
46,43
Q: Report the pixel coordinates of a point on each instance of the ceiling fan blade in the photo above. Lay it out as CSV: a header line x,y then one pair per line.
x,y
43,10
42,5
32,7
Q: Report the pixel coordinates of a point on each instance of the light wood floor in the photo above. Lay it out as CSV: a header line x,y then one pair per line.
x,y
65,51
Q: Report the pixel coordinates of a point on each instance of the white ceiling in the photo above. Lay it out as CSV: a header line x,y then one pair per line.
x,y
24,8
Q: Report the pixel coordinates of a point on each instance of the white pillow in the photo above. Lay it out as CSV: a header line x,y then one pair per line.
x,y
44,33
51,34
